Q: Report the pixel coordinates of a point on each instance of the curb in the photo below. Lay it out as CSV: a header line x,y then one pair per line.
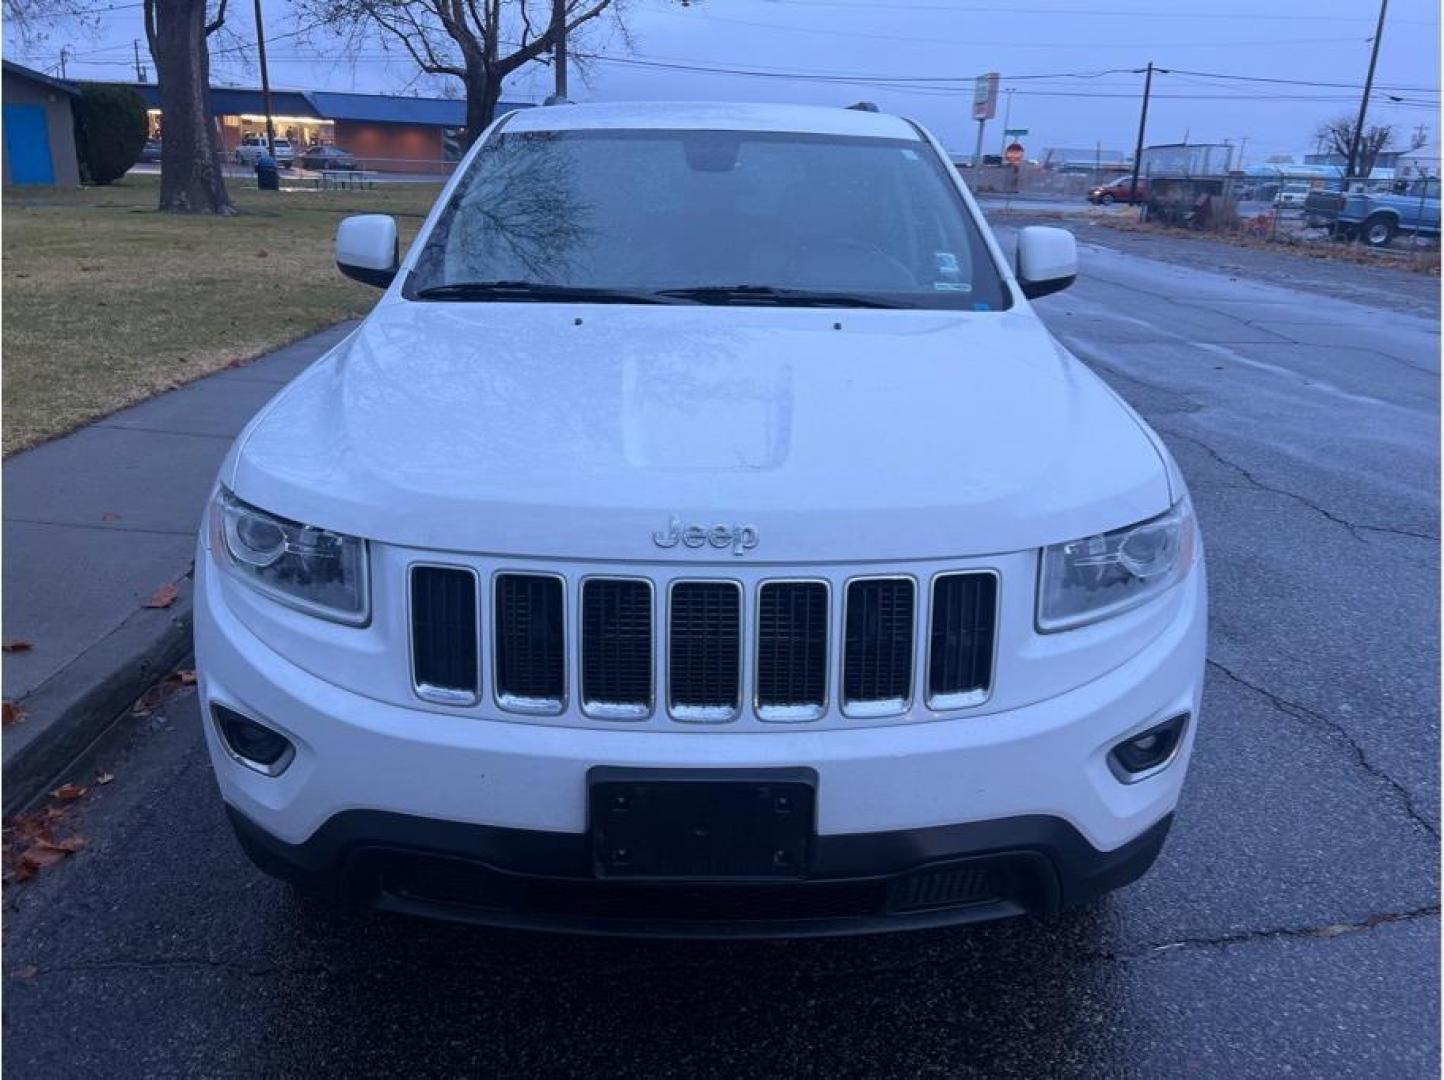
x,y
80,702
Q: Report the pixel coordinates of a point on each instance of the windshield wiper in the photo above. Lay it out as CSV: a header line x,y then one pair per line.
x,y
539,292
771,294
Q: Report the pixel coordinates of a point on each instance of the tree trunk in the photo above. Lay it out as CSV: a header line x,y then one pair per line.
x,y
191,180
483,93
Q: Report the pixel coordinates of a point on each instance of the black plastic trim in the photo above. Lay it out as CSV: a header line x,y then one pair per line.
x,y
1046,863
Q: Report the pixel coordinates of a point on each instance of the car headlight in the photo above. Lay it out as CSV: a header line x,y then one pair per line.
x,y
1089,579
316,570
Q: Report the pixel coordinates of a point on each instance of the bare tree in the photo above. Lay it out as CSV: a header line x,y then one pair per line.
x,y
1337,136
480,42
191,179
33,21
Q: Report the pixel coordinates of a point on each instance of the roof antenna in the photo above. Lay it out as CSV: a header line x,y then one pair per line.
x,y
863,106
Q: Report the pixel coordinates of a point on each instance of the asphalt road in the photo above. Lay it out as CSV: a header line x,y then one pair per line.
x,y
1290,928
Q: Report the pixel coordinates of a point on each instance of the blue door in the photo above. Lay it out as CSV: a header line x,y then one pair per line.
x,y
27,145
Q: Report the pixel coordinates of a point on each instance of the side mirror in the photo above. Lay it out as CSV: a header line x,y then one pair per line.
x,y
1047,260
367,248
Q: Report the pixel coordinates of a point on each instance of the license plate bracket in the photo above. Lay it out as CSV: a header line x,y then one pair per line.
x,y
701,824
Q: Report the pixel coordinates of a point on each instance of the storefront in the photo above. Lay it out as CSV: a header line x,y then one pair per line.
x,y
386,133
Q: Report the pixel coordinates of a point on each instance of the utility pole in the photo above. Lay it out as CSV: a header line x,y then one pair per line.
x,y
1368,87
559,46
63,50
1007,116
265,82
1142,125
1242,142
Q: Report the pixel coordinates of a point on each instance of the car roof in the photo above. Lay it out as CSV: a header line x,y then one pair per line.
x,y
713,116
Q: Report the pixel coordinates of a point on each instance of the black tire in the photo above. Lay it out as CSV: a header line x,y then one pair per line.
x,y
1105,199
1378,230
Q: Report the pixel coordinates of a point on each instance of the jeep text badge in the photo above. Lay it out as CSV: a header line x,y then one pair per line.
x,y
740,538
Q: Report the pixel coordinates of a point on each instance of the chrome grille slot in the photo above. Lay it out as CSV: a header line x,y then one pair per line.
x,y
530,643
616,666
444,665
877,666
704,655
791,650
960,646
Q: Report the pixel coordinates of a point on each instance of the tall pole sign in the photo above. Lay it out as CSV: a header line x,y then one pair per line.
x,y
265,82
985,107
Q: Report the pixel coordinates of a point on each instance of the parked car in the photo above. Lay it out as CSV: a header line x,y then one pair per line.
x,y
1292,196
252,146
327,158
1120,190
841,597
151,150
1377,216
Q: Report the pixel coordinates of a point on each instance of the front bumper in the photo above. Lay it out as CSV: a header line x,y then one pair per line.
x,y
861,883
487,819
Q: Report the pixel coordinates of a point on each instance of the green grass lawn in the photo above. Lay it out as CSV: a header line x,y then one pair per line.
x,y
107,302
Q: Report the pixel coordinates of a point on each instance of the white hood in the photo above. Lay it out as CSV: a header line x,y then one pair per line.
x,y
580,430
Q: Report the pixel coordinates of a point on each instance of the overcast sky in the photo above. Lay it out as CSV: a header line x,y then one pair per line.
x,y
947,41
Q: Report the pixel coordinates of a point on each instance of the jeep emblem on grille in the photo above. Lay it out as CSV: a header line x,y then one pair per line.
x,y
740,538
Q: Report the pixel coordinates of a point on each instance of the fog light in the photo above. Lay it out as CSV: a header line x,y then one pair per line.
x,y
251,744
1143,754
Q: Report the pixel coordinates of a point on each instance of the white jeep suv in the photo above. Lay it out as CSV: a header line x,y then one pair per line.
x,y
701,536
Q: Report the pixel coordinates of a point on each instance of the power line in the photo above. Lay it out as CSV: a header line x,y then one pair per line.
x,y
1298,82
959,9
1012,43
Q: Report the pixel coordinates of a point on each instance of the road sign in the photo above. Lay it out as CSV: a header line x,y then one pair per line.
x,y
1013,155
1015,132
985,96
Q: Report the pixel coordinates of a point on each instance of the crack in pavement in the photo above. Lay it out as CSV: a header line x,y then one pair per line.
x,y
1304,713
1355,528
1282,933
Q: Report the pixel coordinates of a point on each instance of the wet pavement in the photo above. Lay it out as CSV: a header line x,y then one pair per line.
x,y
1291,926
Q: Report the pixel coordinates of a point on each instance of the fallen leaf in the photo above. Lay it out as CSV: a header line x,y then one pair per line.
x,y
23,871
110,515
187,676
42,853
15,645
26,973
163,597
71,843
104,778
68,792
262,254
12,714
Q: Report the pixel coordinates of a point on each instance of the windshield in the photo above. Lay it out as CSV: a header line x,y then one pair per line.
x,y
704,213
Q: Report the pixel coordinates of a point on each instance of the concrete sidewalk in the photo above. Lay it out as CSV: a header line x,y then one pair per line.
x,y
94,523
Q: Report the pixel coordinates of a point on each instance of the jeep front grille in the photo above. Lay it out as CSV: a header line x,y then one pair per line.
x,y
791,650
960,650
443,634
531,659
797,649
877,665
617,648
704,651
